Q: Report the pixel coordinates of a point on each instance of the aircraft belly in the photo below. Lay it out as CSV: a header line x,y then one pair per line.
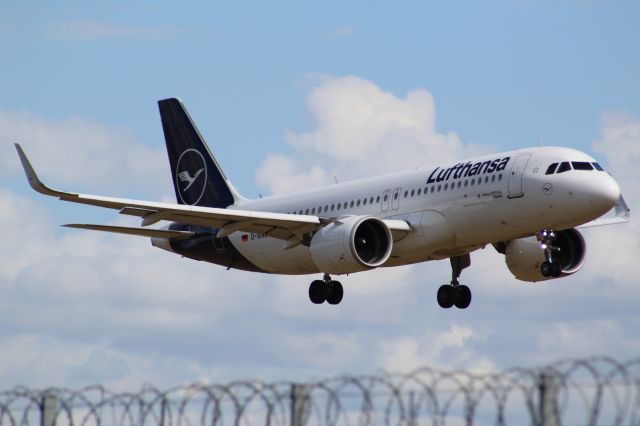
x,y
430,233
205,247
269,254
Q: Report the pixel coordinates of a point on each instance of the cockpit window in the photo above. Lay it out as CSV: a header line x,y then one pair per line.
x,y
565,166
551,169
581,165
597,167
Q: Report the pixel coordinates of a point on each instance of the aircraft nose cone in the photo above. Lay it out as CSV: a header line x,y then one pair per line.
x,y
606,192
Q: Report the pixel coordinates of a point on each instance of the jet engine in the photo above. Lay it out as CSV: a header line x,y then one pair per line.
x,y
352,244
524,256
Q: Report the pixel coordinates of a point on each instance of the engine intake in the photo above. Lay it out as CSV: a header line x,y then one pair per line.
x,y
353,244
524,256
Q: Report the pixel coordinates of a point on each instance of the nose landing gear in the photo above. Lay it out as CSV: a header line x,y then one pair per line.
x,y
550,267
326,290
454,293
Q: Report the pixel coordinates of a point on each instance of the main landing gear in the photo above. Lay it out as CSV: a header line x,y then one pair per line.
x,y
326,290
454,293
550,267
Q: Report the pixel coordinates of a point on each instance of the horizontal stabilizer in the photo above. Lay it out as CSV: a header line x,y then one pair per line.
x,y
142,232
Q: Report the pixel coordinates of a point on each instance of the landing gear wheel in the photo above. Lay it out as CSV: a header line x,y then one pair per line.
x,y
462,296
445,296
318,292
335,293
548,269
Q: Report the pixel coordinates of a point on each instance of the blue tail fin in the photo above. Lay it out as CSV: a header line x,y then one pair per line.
x,y
197,178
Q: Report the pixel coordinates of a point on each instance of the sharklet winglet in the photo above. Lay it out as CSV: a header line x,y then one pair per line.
x,y
32,177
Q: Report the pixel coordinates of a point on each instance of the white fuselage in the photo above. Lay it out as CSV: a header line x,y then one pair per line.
x,y
452,209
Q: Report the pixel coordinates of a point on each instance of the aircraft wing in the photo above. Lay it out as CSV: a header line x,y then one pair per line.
x,y
278,225
621,214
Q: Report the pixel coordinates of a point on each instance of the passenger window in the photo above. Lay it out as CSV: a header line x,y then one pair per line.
x,y
433,188
358,203
551,169
466,183
565,166
326,208
473,182
395,196
386,197
406,193
344,206
581,165
493,178
300,212
598,167
500,177
439,188
378,198
371,200
306,211
446,185
413,192
364,201
313,210
419,191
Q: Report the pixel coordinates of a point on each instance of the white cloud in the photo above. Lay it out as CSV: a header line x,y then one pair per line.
x,y
89,155
360,131
620,144
86,307
91,30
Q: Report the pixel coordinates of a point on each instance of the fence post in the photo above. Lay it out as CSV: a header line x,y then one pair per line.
x,y
49,409
299,405
412,415
548,413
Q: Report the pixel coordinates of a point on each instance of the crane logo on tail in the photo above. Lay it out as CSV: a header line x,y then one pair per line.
x,y
186,177
191,176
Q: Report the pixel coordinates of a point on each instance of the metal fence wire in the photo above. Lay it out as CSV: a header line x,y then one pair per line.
x,y
594,391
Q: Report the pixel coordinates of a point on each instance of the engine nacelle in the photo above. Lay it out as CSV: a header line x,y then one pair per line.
x,y
352,244
524,256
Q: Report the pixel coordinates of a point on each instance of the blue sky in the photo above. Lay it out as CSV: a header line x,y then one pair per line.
x,y
507,73
268,83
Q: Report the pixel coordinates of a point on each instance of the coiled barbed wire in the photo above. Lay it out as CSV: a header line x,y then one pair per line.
x,y
593,391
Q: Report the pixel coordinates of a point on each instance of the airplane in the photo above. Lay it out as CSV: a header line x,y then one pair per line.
x,y
526,203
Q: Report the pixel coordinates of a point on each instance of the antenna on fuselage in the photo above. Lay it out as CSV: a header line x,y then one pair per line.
x,y
540,144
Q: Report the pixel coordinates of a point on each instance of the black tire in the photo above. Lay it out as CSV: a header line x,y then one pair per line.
x,y
462,296
546,268
336,292
556,270
445,296
318,292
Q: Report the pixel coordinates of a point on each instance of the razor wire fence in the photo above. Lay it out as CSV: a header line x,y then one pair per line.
x,y
594,391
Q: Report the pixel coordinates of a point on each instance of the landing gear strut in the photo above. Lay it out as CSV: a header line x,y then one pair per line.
x,y
550,267
326,290
454,293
